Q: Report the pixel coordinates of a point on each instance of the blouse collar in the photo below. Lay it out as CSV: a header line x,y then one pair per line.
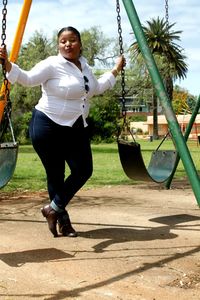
x,y
82,60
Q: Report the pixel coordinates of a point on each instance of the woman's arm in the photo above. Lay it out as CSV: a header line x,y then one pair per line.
x,y
36,76
108,79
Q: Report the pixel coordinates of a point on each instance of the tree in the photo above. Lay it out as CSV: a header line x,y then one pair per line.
x,y
95,45
139,82
104,117
183,102
161,39
180,97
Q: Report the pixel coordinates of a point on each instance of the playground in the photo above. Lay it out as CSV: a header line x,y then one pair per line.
x,y
135,243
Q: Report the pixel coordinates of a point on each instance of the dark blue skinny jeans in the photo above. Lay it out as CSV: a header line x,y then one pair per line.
x,y
57,145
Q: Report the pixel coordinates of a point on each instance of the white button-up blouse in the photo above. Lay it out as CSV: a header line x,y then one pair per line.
x,y
64,95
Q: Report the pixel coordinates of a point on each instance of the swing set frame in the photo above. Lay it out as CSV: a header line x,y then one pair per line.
x,y
178,138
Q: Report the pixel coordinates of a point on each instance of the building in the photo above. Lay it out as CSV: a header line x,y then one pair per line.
x,y
132,105
183,121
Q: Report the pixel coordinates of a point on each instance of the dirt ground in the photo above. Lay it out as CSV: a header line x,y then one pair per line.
x,y
135,243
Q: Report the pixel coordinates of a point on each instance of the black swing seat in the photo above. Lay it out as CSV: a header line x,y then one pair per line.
x,y
8,159
160,167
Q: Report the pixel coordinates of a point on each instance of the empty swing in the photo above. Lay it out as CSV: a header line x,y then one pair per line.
x,y
8,150
160,166
8,144
162,162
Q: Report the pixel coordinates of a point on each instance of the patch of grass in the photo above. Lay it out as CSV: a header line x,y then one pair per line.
x,y
30,175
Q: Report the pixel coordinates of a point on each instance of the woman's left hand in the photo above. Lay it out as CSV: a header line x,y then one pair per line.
x,y
120,64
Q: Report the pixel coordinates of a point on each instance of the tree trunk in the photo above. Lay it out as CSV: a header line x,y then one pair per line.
x,y
169,87
155,116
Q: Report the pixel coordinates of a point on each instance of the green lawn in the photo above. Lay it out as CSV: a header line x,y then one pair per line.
x,y
29,173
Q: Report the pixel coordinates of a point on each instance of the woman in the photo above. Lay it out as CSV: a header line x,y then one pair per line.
x,y
58,127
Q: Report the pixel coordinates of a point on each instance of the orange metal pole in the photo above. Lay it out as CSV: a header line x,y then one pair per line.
x,y
15,48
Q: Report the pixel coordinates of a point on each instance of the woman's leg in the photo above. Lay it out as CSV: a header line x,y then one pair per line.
x,y
47,142
79,159
44,134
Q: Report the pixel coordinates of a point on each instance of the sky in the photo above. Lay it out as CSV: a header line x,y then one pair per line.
x,y
49,16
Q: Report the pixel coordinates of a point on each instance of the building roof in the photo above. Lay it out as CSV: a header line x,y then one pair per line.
x,y
182,119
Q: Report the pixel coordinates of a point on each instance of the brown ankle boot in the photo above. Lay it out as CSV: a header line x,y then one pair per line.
x,y
52,216
65,226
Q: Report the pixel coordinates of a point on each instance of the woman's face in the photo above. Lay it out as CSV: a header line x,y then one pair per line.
x,y
69,45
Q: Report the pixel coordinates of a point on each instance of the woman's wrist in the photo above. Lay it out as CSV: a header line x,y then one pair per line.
x,y
115,71
8,66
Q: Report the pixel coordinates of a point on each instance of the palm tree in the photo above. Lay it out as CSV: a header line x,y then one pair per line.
x,y
161,39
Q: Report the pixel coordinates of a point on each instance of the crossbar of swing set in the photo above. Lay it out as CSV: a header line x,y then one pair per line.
x,y
174,127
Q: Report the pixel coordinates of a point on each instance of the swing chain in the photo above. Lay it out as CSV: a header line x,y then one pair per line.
x,y
4,13
167,13
6,95
121,52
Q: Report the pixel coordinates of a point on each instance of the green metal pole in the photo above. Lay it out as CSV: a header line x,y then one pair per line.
x,y
187,133
174,127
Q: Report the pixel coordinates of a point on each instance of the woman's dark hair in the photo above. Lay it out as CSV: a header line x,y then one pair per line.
x,y
70,28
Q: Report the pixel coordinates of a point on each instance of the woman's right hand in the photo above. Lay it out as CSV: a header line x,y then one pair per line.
x,y
4,59
3,55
